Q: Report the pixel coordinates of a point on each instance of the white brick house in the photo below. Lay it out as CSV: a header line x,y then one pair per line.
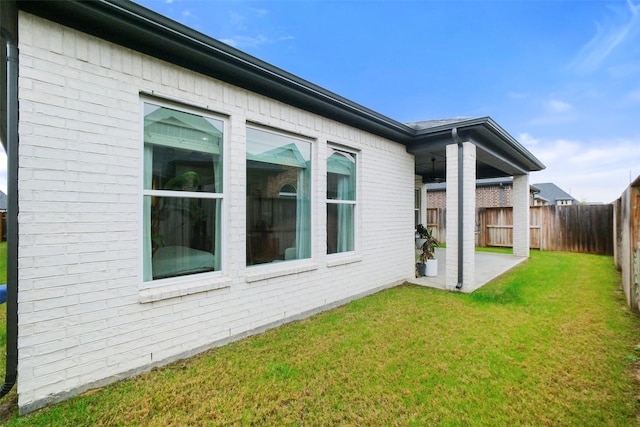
x,y
175,194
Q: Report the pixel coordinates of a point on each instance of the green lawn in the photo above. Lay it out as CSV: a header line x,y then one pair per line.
x,y
550,343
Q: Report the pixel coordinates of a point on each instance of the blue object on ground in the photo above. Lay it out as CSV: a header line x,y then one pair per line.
x,y
3,293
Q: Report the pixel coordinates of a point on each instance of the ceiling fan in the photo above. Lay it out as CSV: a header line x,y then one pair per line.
x,y
433,178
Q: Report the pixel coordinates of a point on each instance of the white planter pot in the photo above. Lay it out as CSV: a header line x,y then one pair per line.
x,y
432,267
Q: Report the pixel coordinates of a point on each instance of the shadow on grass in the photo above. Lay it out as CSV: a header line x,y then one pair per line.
x,y
508,295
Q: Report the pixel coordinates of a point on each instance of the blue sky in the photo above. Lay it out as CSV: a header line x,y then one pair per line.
x,y
562,77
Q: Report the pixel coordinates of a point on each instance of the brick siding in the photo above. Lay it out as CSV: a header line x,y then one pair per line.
x,y
85,317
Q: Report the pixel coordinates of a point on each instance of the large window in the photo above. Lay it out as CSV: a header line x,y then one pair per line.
x,y
278,197
341,201
182,204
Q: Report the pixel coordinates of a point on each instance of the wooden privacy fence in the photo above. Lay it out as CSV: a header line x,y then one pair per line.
x,y
436,221
573,228
494,227
627,239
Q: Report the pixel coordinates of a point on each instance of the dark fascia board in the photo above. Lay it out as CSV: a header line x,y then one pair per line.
x,y
133,26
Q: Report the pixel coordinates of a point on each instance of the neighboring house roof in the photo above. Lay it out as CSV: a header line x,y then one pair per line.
x,y
3,201
553,193
138,28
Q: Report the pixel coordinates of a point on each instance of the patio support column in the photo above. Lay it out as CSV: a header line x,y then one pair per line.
x,y
461,273
521,231
422,188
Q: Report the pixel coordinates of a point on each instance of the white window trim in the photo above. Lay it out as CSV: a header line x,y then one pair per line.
x,y
346,257
170,287
269,270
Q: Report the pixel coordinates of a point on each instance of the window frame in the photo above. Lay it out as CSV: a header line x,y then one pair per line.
x,y
219,197
331,148
277,132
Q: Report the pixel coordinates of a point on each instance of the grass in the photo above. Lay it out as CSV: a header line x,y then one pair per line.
x,y
9,404
549,343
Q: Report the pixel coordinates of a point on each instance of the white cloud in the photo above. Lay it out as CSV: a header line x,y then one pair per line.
x,y
249,42
230,42
557,106
239,24
634,95
259,12
244,42
552,152
527,140
550,110
594,171
237,21
517,95
621,71
609,36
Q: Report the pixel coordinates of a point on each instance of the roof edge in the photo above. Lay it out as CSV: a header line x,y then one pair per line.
x,y
136,27
486,122
498,130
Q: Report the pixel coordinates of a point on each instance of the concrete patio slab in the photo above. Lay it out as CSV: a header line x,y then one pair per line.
x,y
488,267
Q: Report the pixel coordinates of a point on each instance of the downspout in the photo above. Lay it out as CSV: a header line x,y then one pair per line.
x,y
11,145
457,140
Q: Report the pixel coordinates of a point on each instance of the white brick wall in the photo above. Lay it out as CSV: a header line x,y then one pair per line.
x,y
521,232
81,319
468,213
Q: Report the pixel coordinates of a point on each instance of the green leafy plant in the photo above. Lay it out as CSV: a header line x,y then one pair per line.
x,y
428,248
421,231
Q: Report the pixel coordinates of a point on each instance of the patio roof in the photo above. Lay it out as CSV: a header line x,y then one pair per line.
x,y
498,154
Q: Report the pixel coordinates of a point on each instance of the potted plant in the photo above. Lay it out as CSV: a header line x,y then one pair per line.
x,y
421,235
427,255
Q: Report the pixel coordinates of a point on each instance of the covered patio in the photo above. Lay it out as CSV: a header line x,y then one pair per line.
x,y
458,152
487,267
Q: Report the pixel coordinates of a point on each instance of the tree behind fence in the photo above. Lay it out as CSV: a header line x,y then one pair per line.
x,y
573,228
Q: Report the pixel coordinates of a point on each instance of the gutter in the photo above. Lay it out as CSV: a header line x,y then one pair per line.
x,y
11,146
457,140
